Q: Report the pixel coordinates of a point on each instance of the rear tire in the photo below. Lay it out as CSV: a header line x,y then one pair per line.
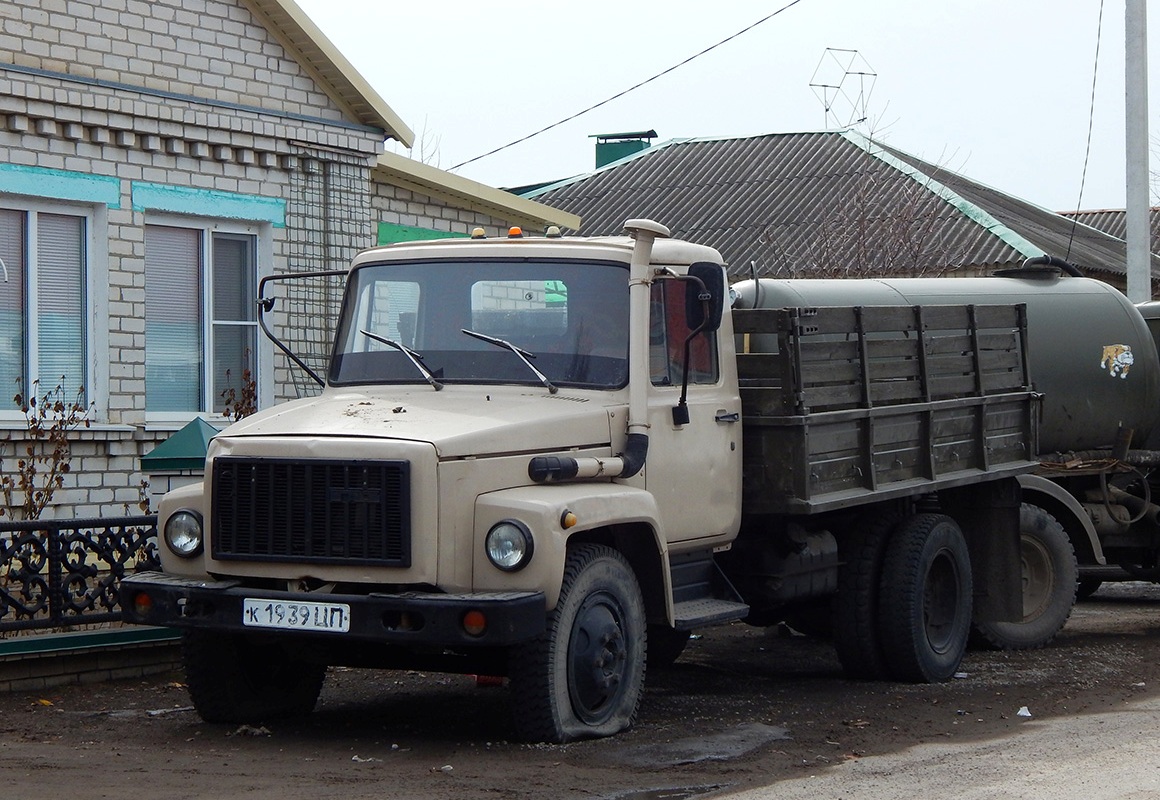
x,y
1050,576
232,678
856,637
583,676
925,599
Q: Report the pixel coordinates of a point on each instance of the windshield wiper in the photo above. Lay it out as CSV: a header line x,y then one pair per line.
x,y
415,358
523,355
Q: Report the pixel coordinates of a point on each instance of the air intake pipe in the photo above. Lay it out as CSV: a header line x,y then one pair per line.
x,y
544,469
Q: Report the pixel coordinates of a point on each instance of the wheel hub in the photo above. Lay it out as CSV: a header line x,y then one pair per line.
x,y
597,659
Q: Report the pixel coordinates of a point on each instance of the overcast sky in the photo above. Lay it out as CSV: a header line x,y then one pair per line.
x,y
999,90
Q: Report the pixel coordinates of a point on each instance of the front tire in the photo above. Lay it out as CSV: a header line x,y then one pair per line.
x,y
925,599
1050,576
583,677
232,678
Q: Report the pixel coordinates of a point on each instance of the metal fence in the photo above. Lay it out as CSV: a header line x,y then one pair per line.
x,y
64,573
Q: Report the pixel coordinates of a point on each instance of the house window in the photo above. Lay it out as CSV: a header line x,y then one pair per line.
x,y
43,302
200,322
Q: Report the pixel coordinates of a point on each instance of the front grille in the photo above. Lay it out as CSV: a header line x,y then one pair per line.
x,y
316,511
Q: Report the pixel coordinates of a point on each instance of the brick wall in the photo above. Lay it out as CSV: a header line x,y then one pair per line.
x,y
185,96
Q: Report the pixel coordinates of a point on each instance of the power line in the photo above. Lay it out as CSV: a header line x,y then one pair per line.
x,y
626,91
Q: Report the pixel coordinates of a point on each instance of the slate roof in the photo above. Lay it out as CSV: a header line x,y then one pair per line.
x,y
1115,223
828,204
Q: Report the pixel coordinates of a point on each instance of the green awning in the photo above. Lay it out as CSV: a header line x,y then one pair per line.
x,y
184,450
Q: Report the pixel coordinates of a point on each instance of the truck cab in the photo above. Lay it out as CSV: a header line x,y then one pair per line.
x,y
501,419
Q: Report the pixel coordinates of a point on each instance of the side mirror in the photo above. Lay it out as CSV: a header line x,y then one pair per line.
x,y
704,306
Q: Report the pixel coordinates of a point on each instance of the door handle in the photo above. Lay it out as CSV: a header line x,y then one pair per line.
x,y
727,416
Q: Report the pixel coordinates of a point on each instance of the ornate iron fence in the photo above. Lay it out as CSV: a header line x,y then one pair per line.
x,y
63,573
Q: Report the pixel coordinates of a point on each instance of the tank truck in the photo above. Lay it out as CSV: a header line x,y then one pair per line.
x,y
1087,512
551,458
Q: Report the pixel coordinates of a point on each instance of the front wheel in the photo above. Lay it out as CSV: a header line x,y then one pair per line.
x,y
583,676
1049,584
925,599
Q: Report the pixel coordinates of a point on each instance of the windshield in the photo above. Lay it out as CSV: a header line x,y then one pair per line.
x,y
485,321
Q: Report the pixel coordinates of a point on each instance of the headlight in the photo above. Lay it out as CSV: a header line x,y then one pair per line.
x,y
183,533
509,545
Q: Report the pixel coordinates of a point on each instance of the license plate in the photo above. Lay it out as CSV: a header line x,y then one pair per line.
x,y
297,616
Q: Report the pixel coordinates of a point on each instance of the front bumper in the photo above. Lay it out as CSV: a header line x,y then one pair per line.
x,y
407,618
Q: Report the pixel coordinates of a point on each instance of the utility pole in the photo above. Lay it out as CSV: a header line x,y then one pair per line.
x,y
1138,234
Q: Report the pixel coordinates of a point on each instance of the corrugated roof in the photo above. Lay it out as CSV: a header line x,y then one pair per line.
x,y
329,67
830,203
1114,222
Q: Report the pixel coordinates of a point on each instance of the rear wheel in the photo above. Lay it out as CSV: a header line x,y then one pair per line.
x,y
855,625
232,678
1049,584
583,676
925,599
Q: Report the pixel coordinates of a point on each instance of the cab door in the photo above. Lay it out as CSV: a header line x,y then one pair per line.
x,y
693,469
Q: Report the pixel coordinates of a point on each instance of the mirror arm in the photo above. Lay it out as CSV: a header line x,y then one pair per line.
x,y
681,409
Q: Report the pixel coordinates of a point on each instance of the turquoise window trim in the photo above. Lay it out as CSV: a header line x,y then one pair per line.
x,y
390,233
59,184
208,203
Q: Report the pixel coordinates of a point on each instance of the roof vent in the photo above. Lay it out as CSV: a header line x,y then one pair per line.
x,y
615,146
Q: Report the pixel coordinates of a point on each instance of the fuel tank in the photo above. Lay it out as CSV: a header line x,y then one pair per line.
x,y
1091,352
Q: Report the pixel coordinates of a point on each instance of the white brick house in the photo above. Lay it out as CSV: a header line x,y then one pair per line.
x,y
157,158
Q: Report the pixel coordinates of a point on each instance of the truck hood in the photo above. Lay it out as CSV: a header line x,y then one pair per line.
x,y
458,421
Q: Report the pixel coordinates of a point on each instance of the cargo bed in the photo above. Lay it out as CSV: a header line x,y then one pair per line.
x,y
842,406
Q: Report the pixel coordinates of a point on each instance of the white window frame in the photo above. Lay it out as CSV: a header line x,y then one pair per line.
x,y
95,305
263,355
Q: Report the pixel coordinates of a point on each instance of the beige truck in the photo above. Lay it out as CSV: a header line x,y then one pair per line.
x,y
551,458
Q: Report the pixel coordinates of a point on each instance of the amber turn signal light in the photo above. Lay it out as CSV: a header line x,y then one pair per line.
x,y
474,623
142,604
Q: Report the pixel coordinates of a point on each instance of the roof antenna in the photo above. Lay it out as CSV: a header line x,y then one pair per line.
x,y
843,81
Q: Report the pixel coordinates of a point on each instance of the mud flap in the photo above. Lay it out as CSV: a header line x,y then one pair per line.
x,y
988,513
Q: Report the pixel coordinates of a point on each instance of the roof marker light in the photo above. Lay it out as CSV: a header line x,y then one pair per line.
x,y
515,232
478,233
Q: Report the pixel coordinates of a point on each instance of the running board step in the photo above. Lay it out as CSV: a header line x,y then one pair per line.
x,y
691,614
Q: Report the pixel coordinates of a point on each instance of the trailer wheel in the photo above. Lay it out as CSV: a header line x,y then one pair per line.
x,y
925,599
1050,575
232,678
856,608
665,646
583,676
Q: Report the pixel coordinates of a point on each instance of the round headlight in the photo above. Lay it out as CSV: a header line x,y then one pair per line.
x,y
509,545
183,533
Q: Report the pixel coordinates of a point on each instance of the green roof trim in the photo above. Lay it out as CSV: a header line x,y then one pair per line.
x,y
390,233
978,215
184,450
